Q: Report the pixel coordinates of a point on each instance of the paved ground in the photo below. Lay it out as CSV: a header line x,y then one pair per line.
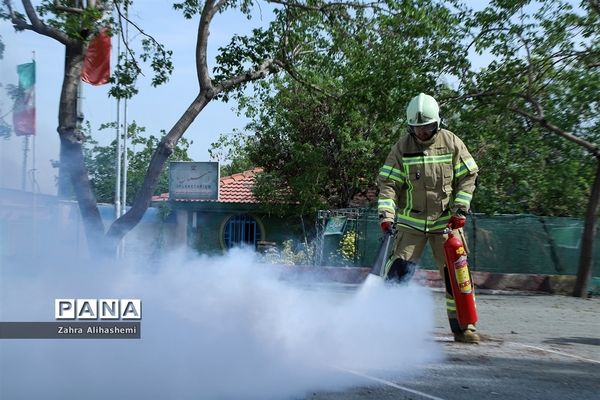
x,y
536,347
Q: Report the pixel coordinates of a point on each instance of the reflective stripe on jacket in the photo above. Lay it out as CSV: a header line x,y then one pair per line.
x,y
421,186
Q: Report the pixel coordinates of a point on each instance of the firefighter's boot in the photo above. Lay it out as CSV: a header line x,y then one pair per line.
x,y
401,271
468,335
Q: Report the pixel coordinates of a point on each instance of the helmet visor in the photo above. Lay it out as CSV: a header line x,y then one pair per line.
x,y
425,132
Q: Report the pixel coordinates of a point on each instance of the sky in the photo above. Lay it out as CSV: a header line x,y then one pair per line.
x,y
154,108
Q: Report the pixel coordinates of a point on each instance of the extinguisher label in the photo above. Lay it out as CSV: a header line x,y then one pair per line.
x,y
462,275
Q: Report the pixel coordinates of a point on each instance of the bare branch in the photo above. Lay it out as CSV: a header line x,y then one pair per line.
x,y
298,78
530,72
125,43
591,147
330,5
291,55
550,79
449,99
21,25
35,24
482,33
31,14
264,69
540,118
220,4
562,58
71,10
208,12
541,114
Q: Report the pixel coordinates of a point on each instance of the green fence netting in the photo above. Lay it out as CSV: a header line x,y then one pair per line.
x,y
498,243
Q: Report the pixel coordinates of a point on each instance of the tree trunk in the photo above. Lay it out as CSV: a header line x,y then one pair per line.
x,y
124,224
71,151
86,200
586,258
64,184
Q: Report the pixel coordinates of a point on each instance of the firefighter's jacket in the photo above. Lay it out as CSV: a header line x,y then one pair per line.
x,y
422,185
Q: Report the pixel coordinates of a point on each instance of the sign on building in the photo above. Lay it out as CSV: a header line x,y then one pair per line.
x,y
193,180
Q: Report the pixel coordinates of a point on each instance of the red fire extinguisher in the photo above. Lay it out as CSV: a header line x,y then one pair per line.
x,y
460,279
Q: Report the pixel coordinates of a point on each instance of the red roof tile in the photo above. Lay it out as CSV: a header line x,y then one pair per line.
x,y
236,188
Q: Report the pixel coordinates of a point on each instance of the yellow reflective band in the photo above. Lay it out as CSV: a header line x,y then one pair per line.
x,y
460,170
463,198
388,265
471,164
409,190
450,305
464,195
411,221
444,158
464,167
386,169
424,225
386,205
392,177
440,224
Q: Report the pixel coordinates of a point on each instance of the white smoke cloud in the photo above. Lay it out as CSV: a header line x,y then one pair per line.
x,y
213,328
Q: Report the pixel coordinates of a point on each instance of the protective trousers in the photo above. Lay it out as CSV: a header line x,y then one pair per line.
x,y
408,250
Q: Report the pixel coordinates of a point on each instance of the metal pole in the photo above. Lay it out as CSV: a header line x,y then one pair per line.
x,y
34,197
24,171
34,171
125,160
125,129
123,171
118,163
118,149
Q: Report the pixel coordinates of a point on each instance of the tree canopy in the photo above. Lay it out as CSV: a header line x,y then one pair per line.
x,y
545,72
321,130
333,120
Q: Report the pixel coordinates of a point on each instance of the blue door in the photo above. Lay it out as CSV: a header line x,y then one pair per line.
x,y
241,230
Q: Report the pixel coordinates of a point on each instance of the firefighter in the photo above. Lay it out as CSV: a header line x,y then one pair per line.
x,y
426,183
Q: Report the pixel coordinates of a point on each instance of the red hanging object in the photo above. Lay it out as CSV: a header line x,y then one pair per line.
x,y
96,65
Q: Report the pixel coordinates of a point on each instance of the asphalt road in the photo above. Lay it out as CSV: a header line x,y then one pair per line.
x,y
534,347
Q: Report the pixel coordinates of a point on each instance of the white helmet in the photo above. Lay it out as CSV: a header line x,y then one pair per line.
x,y
423,110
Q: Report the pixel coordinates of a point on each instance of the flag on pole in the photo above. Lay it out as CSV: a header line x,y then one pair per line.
x,y
96,64
24,110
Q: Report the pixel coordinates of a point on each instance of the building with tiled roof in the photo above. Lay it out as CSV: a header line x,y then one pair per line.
x,y
236,218
236,188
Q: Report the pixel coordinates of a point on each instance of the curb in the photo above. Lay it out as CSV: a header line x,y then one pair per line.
x,y
551,284
554,284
